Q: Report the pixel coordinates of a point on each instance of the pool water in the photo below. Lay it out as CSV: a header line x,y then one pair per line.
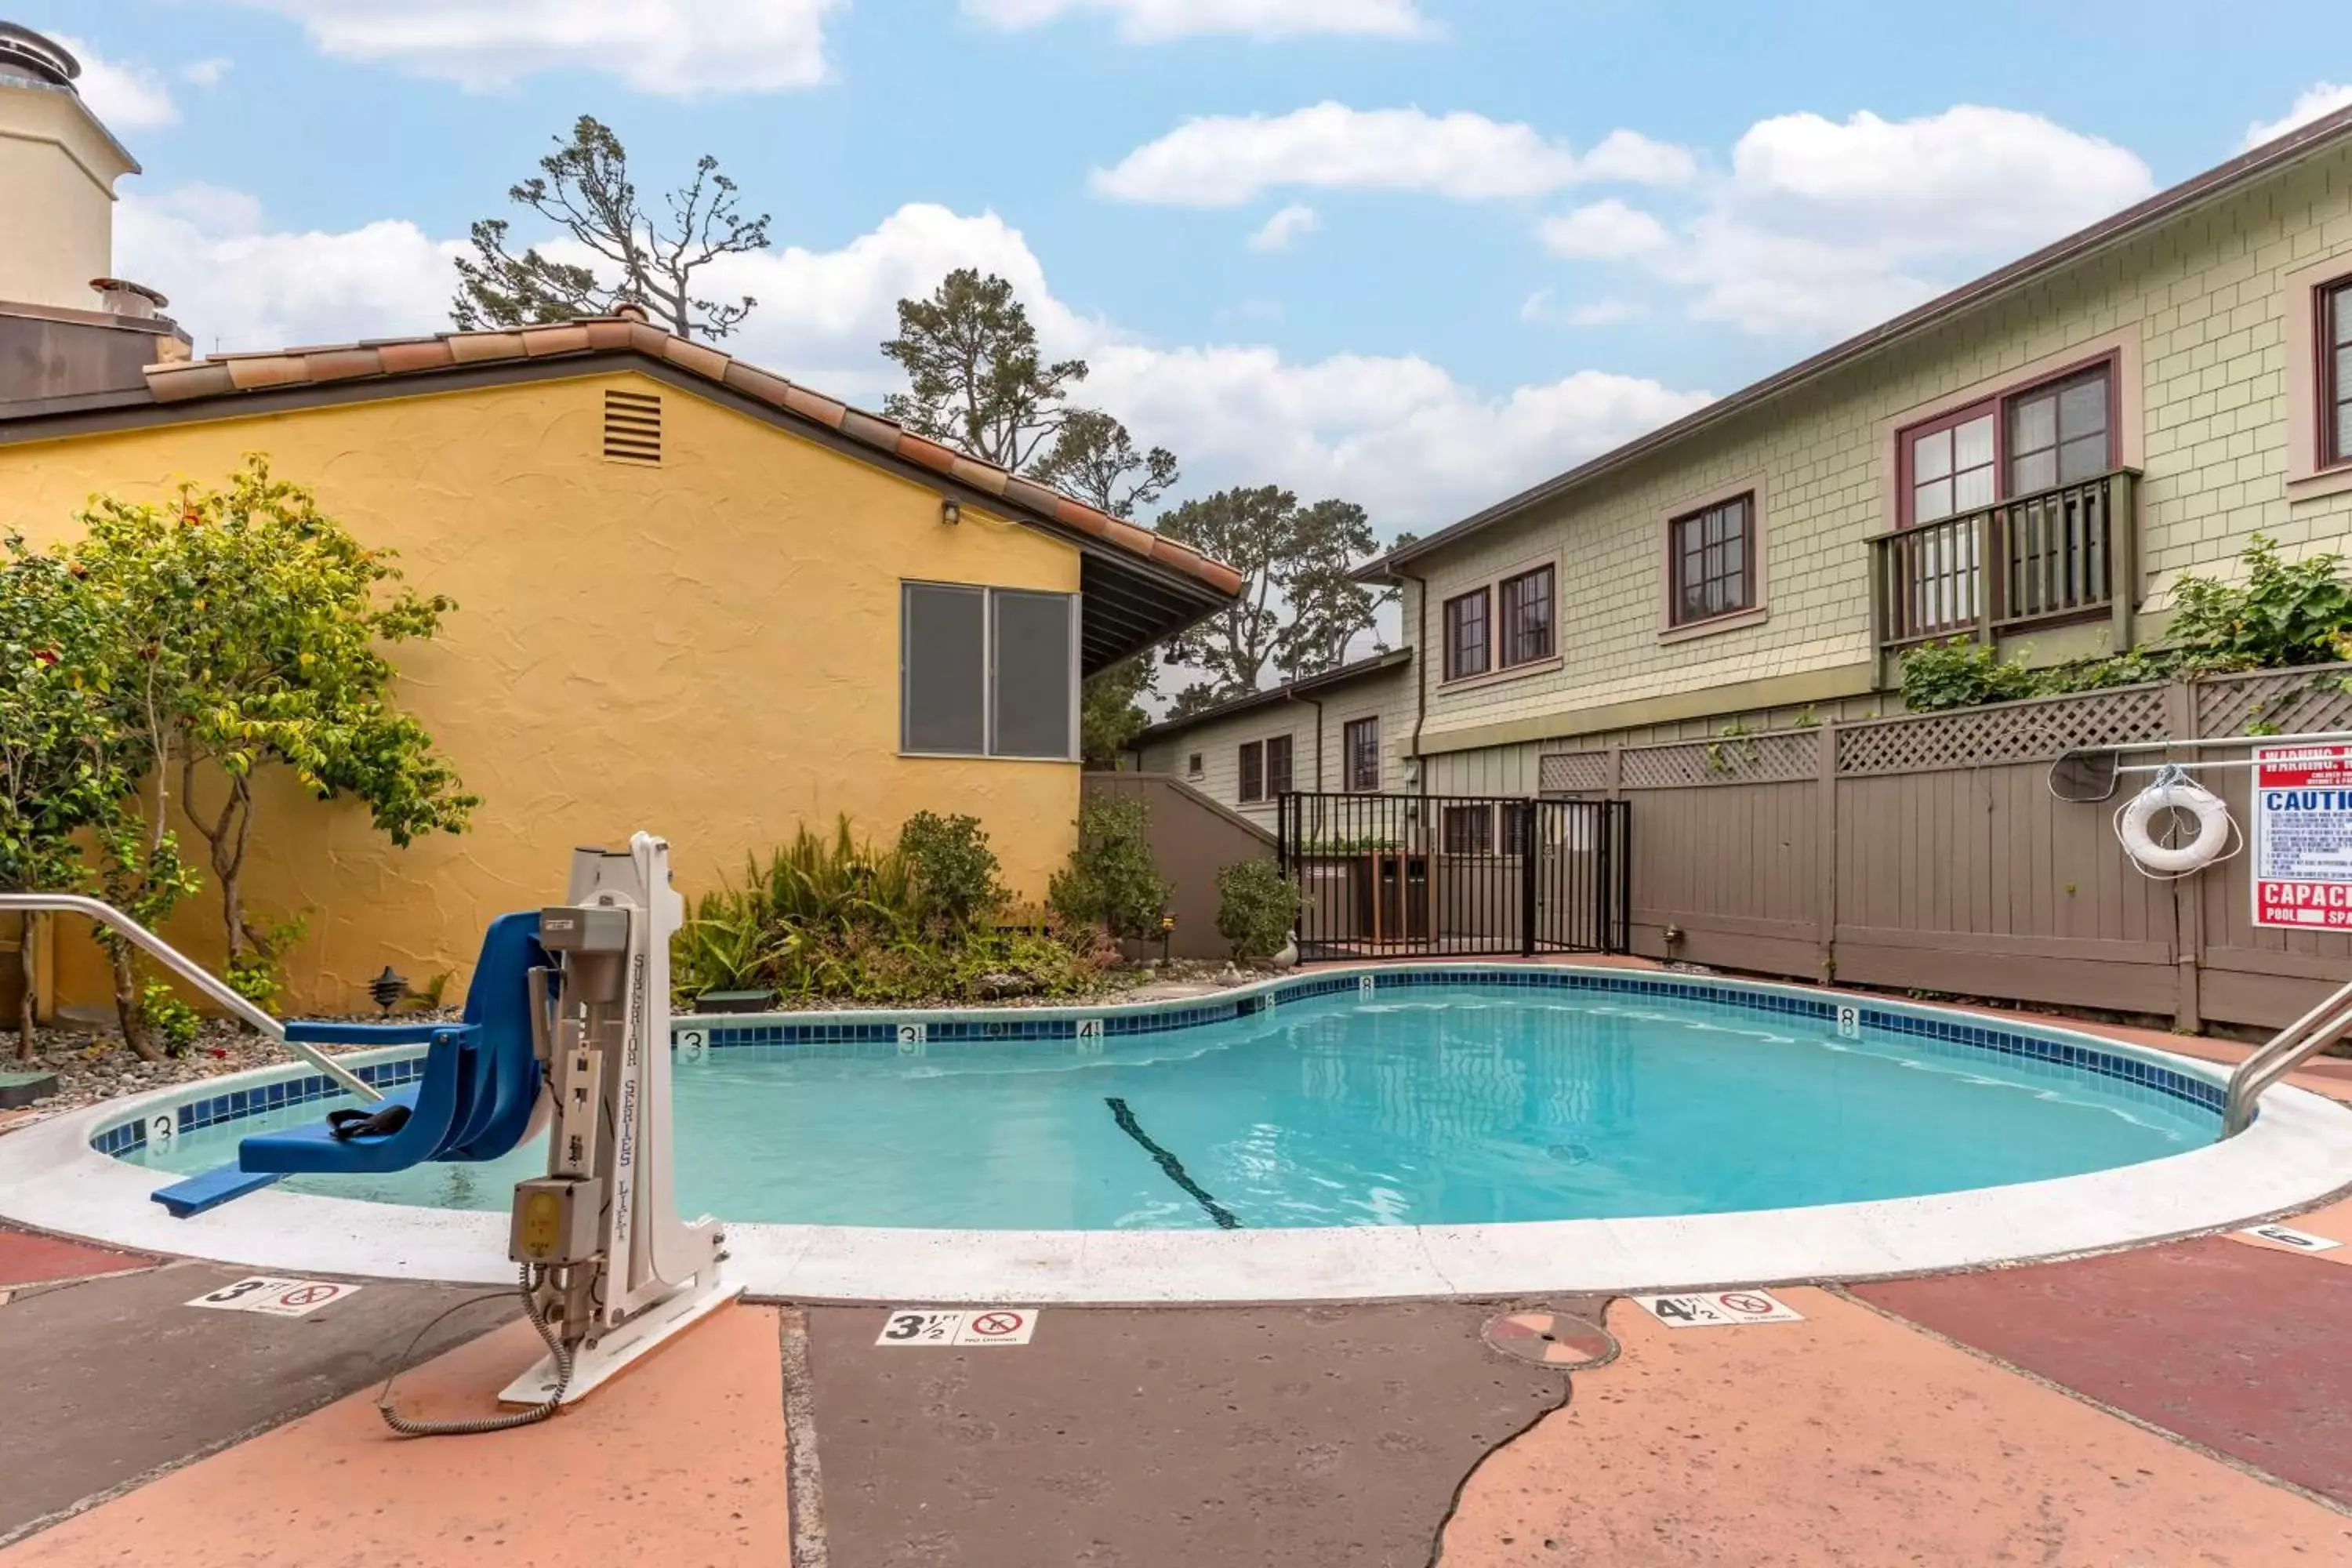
x,y
1465,1104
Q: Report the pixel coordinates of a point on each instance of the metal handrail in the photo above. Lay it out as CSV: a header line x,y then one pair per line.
x,y
2287,1050
215,988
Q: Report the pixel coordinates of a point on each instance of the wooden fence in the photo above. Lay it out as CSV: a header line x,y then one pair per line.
x,y
1927,853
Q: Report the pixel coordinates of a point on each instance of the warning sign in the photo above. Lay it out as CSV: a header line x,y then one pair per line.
x,y
275,1297
2302,836
1728,1308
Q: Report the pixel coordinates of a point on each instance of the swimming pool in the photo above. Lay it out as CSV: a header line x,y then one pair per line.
x,y
1458,1099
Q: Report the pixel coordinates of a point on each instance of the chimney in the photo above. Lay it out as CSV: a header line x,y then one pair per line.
x,y
57,169
69,330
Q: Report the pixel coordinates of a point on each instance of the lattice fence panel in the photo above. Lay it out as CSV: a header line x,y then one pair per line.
x,y
1729,759
1563,773
2008,732
2282,701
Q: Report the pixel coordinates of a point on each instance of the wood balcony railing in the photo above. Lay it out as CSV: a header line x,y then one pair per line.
x,y
2066,553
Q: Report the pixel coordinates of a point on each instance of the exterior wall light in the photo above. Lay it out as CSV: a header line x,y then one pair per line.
x,y
949,513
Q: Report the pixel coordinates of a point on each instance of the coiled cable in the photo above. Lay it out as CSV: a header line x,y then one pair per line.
x,y
408,1427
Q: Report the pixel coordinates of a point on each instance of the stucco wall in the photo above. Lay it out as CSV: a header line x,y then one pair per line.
x,y
1387,694
707,650
2199,304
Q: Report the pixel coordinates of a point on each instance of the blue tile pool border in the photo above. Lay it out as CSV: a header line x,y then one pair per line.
x,y
896,1032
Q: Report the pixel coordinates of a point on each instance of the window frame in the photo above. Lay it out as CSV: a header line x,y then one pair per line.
x,y
1996,401
2332,401
1752,597
1505,633
1454,671
1351,752
1482,812
988,594
1262,750
2314,468
1490,583
1195,765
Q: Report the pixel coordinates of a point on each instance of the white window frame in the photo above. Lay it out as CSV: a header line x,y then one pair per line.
x,y
988,669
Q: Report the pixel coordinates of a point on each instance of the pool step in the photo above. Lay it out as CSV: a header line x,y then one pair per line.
x,y
215,1187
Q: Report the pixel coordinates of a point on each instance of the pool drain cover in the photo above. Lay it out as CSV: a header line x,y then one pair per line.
x,y
1551,1338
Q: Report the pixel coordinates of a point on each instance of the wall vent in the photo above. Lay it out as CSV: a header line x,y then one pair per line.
x,y
632,427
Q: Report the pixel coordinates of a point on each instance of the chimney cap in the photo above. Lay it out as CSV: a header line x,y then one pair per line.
x,y
125,298
24,52
630,311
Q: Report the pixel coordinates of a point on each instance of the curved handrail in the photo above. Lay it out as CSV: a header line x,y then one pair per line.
x,y
215,989
2287,1050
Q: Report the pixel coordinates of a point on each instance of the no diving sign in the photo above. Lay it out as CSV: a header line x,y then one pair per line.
x,y
275,1297
1723,1309
983,1326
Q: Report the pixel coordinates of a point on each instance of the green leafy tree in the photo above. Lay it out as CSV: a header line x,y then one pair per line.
x,y
66,760
1094,460
1329,610
975,379
584,188
257,625
1111,712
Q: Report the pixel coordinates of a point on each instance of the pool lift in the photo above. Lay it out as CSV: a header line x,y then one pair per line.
x,y
566,1029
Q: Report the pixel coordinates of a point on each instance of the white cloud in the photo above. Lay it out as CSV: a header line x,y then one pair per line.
x,y
2322,98
205,72
677,49
1822,227
236,286
125,95
1397,432
1227,160
1285,226
1154,21
1604,230
1539,308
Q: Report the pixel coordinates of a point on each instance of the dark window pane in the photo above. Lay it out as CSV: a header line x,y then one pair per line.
x,y
1468,829
1465,636
1526,616
1711,550
2083,408
1363,749
944,669
2031,471
2340,307
2081,457
1277,766
1035,674
1252,768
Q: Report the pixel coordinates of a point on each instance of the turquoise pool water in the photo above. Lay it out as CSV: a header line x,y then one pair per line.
x,y
1461,1104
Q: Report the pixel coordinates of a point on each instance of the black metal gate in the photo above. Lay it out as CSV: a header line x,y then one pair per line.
x,y
1428,876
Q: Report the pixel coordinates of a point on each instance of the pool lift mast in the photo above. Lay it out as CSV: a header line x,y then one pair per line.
x,y
616,1271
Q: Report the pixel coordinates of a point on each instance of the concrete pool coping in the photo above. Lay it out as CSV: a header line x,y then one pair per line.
x,y
2298,1150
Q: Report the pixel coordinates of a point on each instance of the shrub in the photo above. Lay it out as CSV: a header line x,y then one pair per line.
x,y
1257,906
1112,881
173,1021
954,870
836,920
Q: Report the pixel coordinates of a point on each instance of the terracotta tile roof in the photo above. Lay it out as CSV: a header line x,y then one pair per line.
x,y
222,375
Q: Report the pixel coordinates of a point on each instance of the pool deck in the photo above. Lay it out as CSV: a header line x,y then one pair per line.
x,y
2182,1403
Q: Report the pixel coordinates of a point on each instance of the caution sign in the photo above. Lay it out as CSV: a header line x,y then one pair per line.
x,y
275,1297
998,1326
2302,837
1723,1310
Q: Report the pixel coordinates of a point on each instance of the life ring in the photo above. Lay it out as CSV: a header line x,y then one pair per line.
x,y
2166,797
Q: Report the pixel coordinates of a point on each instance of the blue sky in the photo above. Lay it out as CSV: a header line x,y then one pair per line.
x,y
1516,234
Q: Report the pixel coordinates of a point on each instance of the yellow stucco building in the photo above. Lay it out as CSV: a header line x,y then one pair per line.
x,y
692,598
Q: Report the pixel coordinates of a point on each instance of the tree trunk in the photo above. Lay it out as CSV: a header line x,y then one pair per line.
x,y
136,1034
24,1004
